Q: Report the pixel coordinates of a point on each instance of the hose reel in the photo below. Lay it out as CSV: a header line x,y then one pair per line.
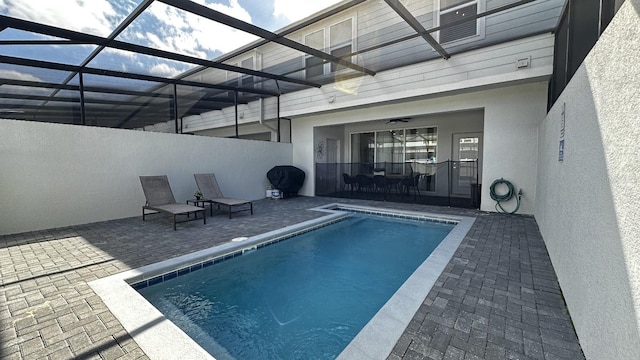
x,y
499,198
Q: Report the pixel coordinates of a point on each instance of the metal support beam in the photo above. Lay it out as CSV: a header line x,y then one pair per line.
x,y
133,114
221,18
42,42
235,98
123,25
278,109
57,108
417,26
96,89
83,119
445,26
120,45
321,16
175,105
198,102
125,75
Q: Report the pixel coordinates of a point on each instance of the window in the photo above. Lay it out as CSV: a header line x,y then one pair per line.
x,y
240,79
339,38
455,10
247,80
363,147
341,41
314,66
389,146
416,148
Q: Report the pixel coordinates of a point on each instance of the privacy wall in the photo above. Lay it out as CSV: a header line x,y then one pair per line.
x,y
588,197
56,175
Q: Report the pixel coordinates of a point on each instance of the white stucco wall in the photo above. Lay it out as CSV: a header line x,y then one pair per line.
x,y
588,206
56,175
511,117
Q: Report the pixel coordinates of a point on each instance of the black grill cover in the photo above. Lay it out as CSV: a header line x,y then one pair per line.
x,y
286,178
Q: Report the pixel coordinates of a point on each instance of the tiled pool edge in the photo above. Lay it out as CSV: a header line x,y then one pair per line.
x,y
137,316
382,332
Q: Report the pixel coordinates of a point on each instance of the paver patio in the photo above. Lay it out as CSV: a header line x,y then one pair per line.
x,y
498,298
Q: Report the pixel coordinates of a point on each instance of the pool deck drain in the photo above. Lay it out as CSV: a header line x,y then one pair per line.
x,y
497,298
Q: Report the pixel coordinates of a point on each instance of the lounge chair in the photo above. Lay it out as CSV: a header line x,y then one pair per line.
x,y
160,199
208,185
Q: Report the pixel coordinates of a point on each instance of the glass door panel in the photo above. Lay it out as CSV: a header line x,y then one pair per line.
x,y
362,152
420,154
389,149
467,154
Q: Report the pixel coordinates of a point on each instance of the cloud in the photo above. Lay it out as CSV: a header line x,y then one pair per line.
x,y
186,33
294,10
160,26
164,70
96,17
13,74
117,52
165,27
16,89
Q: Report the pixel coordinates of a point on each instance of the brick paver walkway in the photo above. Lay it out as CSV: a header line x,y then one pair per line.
x,y
497,299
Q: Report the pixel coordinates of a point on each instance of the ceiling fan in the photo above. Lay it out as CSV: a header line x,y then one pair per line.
x,y
398,120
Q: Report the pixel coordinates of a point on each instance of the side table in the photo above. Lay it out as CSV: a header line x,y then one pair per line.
x,y
201,203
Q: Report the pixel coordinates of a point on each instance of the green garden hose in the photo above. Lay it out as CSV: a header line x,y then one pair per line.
x,y
498,198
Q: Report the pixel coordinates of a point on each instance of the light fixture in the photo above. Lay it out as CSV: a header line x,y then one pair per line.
x,y
397,120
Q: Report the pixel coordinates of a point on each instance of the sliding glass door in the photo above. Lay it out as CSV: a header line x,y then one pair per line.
x,y
390,151
416,148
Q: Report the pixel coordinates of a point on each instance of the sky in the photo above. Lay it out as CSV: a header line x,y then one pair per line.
x,y
160,26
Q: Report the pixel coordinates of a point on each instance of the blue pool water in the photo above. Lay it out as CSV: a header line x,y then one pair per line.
x,y
303,298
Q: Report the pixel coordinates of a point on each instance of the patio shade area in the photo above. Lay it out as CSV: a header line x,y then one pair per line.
x,y
131,75
497,298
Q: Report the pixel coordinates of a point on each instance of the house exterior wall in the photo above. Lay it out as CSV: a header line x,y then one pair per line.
x,y
491,65
57,175
511,117
410,68
587,205
478,69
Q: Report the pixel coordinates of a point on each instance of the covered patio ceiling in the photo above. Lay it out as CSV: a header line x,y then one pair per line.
x,y
52,73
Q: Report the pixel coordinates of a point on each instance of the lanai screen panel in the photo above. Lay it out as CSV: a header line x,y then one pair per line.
x,y
202,60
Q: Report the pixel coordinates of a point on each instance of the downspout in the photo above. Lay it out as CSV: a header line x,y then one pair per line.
x,y
261,115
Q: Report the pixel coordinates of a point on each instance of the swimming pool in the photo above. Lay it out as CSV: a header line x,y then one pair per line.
x,y
152,331
304,298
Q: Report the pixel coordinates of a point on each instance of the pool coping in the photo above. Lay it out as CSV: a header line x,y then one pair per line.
x,y
152,331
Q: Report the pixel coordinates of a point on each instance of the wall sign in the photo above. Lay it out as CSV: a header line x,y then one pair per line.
x,y
562,132
561,151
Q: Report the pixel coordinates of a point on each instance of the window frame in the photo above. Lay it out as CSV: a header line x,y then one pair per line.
x,y
307,56
238,79
328,67
340,46
480,22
